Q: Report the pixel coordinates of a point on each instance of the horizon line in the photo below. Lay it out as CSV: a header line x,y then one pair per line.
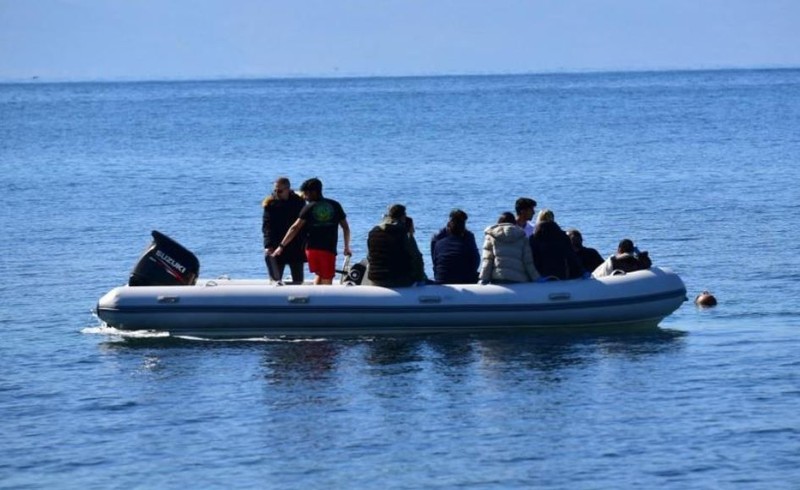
x,y
346,76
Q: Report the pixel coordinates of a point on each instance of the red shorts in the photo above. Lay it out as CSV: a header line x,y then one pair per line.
x,y
321,263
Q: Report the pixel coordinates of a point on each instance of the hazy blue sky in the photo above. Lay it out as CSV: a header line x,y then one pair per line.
x,y
147,39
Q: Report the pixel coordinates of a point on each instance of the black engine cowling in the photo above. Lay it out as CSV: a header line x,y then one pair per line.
x,y
165,263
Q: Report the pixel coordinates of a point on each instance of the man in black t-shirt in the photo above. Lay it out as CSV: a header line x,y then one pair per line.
x,y
320,220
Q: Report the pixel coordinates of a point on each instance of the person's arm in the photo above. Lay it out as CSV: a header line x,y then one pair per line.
x,y
346,233
266,231
528,263
433,253
287,239
415,256
475,260
487,265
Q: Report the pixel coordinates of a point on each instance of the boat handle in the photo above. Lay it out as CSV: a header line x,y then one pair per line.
x,y
560,296
168,299
298,300
430,299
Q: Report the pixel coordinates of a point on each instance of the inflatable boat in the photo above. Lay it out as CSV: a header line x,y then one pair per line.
x,y
164,294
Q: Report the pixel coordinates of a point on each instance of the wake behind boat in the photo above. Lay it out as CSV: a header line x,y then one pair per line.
x,y
164,295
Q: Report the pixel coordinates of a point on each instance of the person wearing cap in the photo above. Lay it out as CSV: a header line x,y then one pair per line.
x,y
319,221
525,208
627,259
454,252
281,210
392,253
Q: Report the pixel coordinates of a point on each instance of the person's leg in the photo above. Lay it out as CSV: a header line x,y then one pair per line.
x,y
323,264
297,269
312,256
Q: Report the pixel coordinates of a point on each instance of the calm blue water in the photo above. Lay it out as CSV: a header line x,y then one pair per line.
x,y
700,168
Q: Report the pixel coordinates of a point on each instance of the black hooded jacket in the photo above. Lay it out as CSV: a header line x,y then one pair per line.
x,y
552,252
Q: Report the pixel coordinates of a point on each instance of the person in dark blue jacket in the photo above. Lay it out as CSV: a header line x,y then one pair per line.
x,y
455,252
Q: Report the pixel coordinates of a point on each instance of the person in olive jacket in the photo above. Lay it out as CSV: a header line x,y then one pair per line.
x,y
281,209
392,252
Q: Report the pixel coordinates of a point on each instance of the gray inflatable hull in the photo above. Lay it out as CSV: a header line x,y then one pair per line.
x,y
248,308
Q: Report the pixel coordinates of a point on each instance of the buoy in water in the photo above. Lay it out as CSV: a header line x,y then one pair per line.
x,y
705,299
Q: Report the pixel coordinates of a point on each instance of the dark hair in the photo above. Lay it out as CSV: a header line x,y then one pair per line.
x,y
312,185
396,211
507,217
524,203
284,181
625,246
457,224
575,237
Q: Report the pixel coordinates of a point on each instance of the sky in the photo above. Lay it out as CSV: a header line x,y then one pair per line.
x,y
207,39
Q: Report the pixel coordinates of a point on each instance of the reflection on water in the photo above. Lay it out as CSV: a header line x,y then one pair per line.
x,y
299,360
548,353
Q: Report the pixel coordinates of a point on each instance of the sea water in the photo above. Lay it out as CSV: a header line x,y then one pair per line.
x,y
699,168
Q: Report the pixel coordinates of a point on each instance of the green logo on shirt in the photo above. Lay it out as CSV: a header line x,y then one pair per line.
x,y
323,213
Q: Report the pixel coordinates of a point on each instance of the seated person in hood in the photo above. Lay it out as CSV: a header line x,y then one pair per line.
x,y
506,254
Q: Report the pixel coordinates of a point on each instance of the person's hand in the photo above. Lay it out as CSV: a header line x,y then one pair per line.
x,y
277,251
268,251
347,251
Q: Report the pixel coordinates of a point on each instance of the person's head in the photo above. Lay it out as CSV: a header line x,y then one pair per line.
x,y
507,217
625,246
282,188
705,300
457,224
575,238
312,189
525,207
545,216
396,212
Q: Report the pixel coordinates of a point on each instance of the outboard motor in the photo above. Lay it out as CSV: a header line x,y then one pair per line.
x,y
357,272
165,263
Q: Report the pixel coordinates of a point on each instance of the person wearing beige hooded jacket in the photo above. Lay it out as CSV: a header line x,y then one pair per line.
x,y
506,255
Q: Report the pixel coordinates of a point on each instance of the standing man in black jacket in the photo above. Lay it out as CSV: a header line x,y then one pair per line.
x,y
281,209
